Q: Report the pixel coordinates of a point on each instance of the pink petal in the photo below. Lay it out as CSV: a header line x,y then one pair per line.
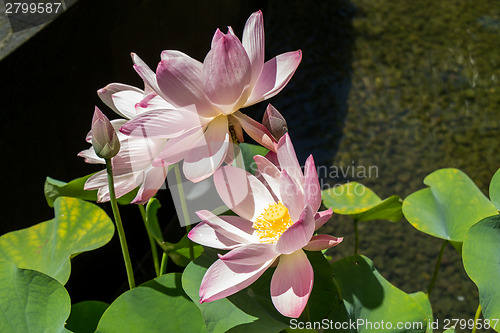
x,y
154,178
270,173
106,95
291,195
152,102
217,35
312,190
123,185
208,153
275,76
125,102
146,74
233,227
177,148
288,159
321,218
256,130
224,279
292,283
136,155
90,156
162,124
204,234
251,254
322,242
253,41
242,192
298,235
226,72
180,80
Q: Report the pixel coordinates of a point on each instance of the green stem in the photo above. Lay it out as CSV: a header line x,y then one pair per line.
x,y
154,249
476,318
119,225
356,237
436,268
185,212
164,261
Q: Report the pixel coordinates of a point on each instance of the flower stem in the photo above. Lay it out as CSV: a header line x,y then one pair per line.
x,y
436,268
185,212
119,225
164,261
154,250
476,318
356,237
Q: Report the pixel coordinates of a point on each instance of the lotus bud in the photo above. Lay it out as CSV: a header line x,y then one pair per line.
x,y
104,138
274,122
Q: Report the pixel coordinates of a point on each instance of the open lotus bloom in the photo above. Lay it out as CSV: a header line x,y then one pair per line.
x,y
277,218
132,167
207,97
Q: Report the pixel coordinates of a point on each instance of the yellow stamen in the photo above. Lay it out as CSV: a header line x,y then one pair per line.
x,y
272,223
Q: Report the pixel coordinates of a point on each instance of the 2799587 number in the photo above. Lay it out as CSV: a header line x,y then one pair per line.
x,y
33,8
469,324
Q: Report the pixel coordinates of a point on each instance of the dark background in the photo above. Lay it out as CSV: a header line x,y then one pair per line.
x,y
49,89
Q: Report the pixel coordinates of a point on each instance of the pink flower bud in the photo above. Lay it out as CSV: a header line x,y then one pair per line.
x,y
104,138
274,122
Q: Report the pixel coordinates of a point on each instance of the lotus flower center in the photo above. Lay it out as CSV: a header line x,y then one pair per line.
x,y
272,223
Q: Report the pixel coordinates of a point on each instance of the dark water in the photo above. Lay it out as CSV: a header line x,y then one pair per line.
x,y
405,86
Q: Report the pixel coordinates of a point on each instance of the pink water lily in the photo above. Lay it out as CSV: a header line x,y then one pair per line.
x,y
232,76
277,217
132,167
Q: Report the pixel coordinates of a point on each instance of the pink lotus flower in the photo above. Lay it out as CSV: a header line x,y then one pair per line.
x,y
276,222
132,167
232,76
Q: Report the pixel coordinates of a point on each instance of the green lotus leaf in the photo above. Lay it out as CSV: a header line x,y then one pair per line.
x,y
448,207
480,252
159,305
31,301
361,203
85,316
47,247
369,299
495,189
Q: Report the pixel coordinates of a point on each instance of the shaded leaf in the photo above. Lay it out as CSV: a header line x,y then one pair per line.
x,y
152,220
361,203
31,301
47,247
370,298
448,207
248,151
480,252
85,316
159,305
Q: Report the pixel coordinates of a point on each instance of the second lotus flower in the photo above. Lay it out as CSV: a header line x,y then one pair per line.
x,y
209,96
278,215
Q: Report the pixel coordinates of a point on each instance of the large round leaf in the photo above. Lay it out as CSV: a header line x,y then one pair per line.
x,y
369,298
480,253
85,316
47,247
159,305
449,207
31,301
361,203
495,189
